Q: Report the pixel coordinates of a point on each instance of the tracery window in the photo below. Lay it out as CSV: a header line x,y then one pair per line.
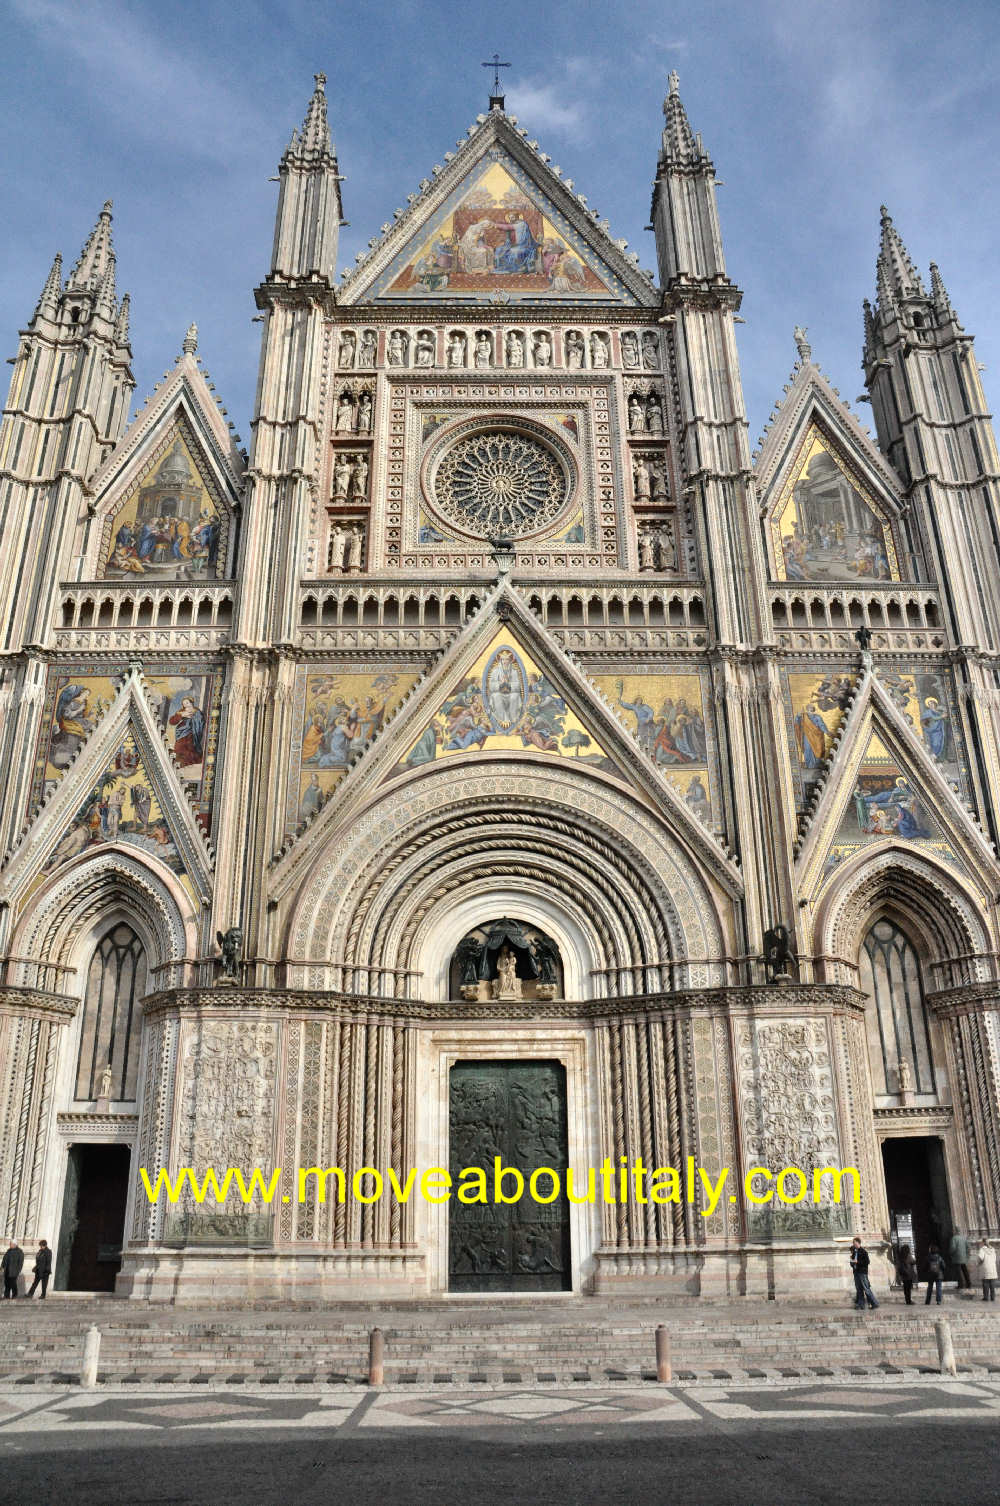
x,y
891,976
109,1030
499,484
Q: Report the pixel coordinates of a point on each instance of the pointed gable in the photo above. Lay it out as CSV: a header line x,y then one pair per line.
x,y
498,225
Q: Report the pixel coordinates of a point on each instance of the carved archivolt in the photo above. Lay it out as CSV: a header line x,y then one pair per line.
x,y
644,899
924,895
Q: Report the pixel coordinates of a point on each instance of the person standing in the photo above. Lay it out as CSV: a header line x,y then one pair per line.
x,y
935,1271
986,1261
860,1261
42,1268
958,1254
13,1260
906,1268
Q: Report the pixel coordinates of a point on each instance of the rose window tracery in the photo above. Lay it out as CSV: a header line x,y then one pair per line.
x,y
499,484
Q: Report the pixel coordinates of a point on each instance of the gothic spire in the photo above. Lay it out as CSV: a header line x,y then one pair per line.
x,y
939,293
307,225
679,143
314,139
98,252
49,301
121,326
895,274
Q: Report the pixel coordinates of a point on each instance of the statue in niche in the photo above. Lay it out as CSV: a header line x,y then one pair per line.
x,y
345,354
369,345
666,557
484,350
777,955
341,477
905,1074
650,351
468,957
630,351
574,350
107,1084
345,414
365,413
636,415
654,414
515,348
397,347
506,984
335,553
542,348
641,479
546,959
600,352
456,349
230,944
355,546
647,549
359,478
660,492
424,355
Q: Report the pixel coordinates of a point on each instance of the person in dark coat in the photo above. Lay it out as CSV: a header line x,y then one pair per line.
x,y
935,1271
860,1261
42,1268
906,1268
13,1260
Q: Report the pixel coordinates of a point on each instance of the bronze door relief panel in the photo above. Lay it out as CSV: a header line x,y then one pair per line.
x,y
515,1110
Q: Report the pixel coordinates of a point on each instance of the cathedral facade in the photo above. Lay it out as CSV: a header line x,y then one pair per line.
x,y
500,760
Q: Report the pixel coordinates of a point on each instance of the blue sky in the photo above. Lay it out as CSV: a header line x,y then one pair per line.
x,y
814,113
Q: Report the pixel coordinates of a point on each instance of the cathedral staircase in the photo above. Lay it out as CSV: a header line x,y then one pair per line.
x,y
484,1341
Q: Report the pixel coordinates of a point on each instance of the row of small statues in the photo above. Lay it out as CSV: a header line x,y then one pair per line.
x,y
479,350
350,477
656,547
649,480
346,549
354,412
645,414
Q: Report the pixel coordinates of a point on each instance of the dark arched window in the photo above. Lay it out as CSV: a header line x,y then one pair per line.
x,y
109,1031
890,975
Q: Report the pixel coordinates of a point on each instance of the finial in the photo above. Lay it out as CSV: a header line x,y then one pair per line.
x,y
320,80
673,83
190,346
801,343
496,96
108,206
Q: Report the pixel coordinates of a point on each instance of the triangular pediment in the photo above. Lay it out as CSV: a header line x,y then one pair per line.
x,y
505,689
885,787
498,225
830,501
164,501
123,787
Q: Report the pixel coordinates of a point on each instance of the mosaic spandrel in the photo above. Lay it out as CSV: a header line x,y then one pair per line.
x,y
340,714
170,526
824,528
666,715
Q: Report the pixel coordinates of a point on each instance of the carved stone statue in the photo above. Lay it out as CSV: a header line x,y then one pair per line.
x,y
424,355
600,353
636,415
515,348
355,546
640,479
864,639
345,354
905,1074
359,478
396,349
335,553
666,555
542,349
574,350
778,954
231,943
345,414
484,350
468,957
654,414
107,1084
456,349
660,492
630,351
341,476
546,959
801,343
369,344
365,413
506,985
650,351
647,550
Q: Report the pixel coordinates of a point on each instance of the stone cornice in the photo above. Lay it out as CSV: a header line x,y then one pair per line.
x,y
37,1001
747,1002
968,998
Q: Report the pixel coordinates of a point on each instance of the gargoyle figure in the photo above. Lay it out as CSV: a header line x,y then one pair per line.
x,y
777,953
231,943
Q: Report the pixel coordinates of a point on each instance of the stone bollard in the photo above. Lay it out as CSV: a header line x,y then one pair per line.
x,y
664,1373
91,1354
376,1356
946,1349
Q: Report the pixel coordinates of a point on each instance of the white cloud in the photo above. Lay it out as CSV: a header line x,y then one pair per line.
x,y
556,105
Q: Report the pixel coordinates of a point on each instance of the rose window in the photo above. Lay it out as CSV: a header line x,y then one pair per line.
x,y
499,484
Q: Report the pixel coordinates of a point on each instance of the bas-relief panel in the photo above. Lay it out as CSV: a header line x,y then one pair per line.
x,y
505,704
121,807
337,715
498,234
170,526
666,714
825,528
186,708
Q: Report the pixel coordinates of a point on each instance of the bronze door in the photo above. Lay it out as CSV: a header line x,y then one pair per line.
x,y
517,1111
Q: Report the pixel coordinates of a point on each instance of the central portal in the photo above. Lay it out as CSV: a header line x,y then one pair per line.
x,y
515,1110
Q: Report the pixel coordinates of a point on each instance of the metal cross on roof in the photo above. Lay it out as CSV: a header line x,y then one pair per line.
x,y
496,98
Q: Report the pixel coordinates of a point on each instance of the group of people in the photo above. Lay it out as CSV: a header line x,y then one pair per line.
x,y
673,735
158,543
906,1270
13,1264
